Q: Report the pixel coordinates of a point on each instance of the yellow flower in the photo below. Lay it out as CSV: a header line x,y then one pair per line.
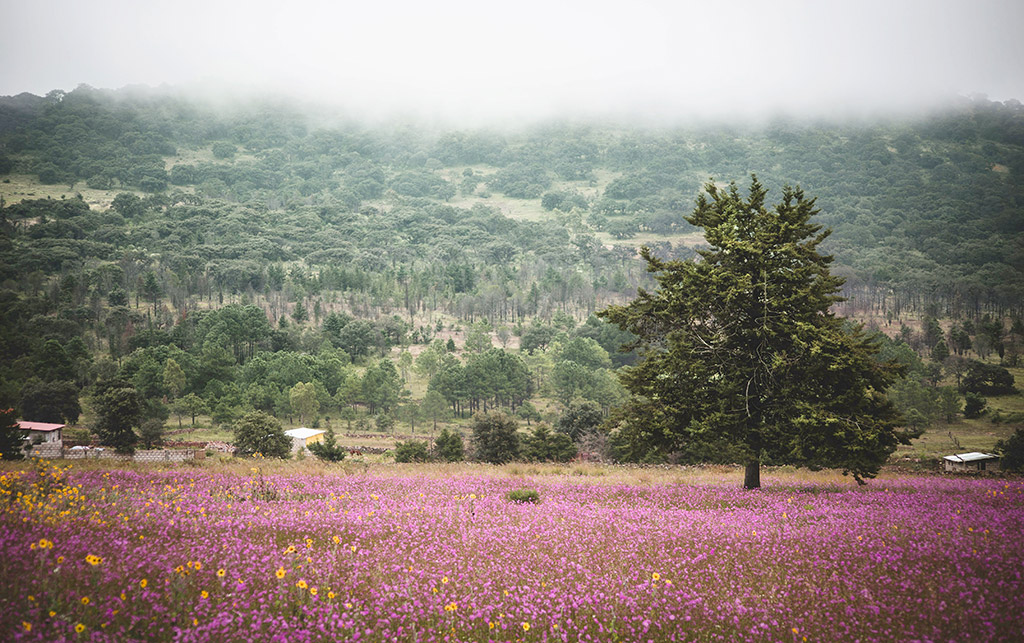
x,y
280,572
330,595
199,565
490,625
301,584
195,622
336,540
93,560
80,628
205,594
85,600
444,581
27,626
353,547
52,613
348,606
60,559
526,626
796,630
313,591
309,542
290,550
655,576
143,583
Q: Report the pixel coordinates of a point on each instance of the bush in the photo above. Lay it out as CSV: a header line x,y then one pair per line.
x,y
974,405
412,451
523,496
151,432
11,442
495,438
259,432
328,449
545,446
449,447
1012,452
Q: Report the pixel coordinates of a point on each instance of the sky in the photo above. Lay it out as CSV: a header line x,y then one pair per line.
x,y
530,59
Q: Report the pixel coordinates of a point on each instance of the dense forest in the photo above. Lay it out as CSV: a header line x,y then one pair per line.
x,y
219,259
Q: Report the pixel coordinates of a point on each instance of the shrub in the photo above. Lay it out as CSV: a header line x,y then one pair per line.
x,y
328,449
523,496
1012,451
449,447
545,446
412,451
495,438
259,432
974,405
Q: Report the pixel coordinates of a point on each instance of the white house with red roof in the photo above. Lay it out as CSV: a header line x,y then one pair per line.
x,y
41,432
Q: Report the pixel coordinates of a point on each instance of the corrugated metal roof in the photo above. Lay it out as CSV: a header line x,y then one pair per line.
x,y
40,426
970,457
303,433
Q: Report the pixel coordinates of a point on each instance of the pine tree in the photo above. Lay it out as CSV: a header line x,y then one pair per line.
x,y
740,349
11,440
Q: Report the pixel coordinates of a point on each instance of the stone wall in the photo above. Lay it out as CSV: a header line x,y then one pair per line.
x,y
153,455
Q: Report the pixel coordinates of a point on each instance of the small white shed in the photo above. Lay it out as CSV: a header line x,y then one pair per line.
x,y
973,461
303,437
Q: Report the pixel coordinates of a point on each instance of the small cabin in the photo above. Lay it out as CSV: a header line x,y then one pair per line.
x,y
973,461
41,432
302,437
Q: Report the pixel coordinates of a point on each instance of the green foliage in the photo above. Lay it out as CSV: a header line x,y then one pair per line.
x,y
151,432
987,379
449,447
523,496
304,400
258,432
174,378
579,417
495,438
916,401
974,405
412,451
329,449
544,445
11,440
1012,452
55,402
118,410
742,347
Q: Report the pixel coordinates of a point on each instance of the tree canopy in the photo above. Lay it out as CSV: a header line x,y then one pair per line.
x,y
741,347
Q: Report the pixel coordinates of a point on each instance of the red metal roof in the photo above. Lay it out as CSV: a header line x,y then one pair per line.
x,y
39,426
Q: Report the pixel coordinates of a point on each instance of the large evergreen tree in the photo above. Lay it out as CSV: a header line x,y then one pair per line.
x,y
741,349
118,410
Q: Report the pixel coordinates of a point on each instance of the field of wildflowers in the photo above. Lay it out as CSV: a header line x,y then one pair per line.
x,y
204,554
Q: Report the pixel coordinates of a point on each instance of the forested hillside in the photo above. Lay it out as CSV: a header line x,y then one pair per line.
x,y
262,246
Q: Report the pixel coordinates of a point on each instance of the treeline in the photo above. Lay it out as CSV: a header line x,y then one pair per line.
x,y
929,208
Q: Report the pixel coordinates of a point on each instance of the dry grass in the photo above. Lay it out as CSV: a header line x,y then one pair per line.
x,y
15,188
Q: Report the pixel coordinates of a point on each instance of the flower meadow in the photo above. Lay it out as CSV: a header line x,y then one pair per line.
x,y
200,554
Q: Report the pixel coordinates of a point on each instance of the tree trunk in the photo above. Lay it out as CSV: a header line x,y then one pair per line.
x,y
752,475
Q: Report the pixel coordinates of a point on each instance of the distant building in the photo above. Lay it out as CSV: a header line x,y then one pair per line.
x,y
973,461
41,432
303,437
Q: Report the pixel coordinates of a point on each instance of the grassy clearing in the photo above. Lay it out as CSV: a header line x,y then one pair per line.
x,y
15,188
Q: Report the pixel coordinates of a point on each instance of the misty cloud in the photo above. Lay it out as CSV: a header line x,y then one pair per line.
x,y
478,61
